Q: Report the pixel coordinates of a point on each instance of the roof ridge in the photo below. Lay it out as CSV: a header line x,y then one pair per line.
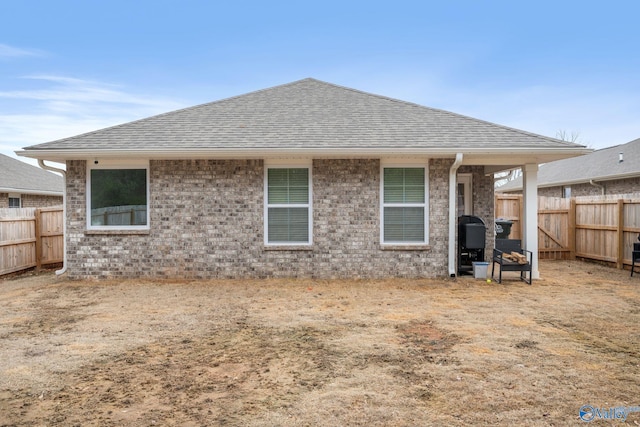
x,y
637,140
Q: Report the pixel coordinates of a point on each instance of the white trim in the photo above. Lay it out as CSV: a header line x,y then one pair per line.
x,y
31,192
399,163
287,164
483,155
467,180
115,164
119,163
453,213
530,198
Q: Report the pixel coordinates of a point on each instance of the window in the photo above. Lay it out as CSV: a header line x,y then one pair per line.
x,y
566,192
15,201
404,205
117,197
288,206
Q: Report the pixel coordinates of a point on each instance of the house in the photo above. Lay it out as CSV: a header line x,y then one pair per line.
x,y
26,186
307,179
609,171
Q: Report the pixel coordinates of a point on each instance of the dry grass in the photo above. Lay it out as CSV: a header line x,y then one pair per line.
x,y
309,352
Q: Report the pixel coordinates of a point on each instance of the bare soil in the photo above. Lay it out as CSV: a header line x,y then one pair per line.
x,y
311,352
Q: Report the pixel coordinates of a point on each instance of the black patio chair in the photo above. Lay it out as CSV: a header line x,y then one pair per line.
x,y
635,256
505,247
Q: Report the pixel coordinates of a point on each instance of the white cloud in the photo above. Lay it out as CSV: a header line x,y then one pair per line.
x,y
70,106
7,51
71,92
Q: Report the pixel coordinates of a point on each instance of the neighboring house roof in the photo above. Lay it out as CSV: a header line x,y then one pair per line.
x,y
600,165
307,117
20,177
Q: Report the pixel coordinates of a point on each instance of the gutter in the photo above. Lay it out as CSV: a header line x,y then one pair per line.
x,y
600,186
452,214
259,152
64,214
33,192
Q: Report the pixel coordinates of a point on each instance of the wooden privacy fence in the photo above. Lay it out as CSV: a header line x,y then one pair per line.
x,y
597,228
30,237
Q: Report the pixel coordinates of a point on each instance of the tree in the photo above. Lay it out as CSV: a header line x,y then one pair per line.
x,y
563,135
502,178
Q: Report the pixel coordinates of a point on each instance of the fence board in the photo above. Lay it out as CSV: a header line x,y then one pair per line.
x,y
598,228
51,236
30,237
508,206
553,221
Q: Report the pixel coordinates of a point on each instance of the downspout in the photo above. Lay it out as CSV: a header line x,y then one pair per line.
x,y
64,214
452,214
600,186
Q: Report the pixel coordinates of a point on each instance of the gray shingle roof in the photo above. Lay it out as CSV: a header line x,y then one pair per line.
x,y
600,165
305,114
17,176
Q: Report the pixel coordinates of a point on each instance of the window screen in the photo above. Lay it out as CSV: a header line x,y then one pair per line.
x,y
288,205
404,205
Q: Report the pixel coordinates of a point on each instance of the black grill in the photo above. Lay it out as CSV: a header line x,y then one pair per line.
x,y
472,233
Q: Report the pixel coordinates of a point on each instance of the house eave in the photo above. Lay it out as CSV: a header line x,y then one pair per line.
x,y
480,156
567,183
32,192
595,179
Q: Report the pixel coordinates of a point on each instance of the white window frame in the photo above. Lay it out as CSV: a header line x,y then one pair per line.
x,y
116,164
425,205
466,179
14,196
287,164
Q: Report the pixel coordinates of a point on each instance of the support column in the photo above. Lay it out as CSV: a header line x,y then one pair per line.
x,y
453,214
530,199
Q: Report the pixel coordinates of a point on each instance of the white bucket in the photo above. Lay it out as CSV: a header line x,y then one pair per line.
x,y
480,270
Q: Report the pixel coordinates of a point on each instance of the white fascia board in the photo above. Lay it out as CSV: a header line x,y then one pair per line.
x,y
595,179
614,177
578,181
476,155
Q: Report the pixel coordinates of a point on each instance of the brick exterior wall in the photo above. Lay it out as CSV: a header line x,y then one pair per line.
x,y
4,200
35,201
616,186
206,220
32,200
483,206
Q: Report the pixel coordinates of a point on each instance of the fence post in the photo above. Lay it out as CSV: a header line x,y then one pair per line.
x,y
521,215
572,228
38,232
620,234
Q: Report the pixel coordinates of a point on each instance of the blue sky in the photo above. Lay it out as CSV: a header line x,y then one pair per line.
x,y
68,67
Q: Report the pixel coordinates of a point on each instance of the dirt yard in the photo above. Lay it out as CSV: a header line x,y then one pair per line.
x,y
311,352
